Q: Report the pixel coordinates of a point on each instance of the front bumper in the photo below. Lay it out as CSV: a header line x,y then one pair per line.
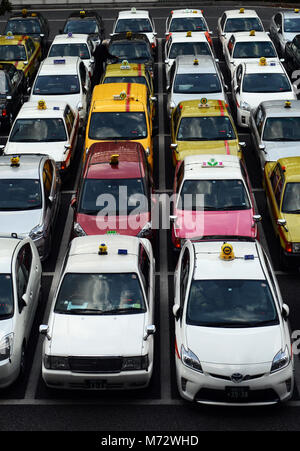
x,y
215,388
9,371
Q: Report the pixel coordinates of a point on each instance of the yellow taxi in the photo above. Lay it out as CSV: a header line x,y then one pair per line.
x,y
23,51
282,185
126,72
202,127
120,112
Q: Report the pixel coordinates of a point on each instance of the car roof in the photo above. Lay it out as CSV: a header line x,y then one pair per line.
x,y
209,265
278,108
88,246
66,38
25,14
273,67
181,36
7,246
101,165
133,12
59,65
291,167
53,109
123,69
105,96
212,167
237,13
28,168
87,14
128,36
244,36
193,108
291,14
187,12
15,39
203,64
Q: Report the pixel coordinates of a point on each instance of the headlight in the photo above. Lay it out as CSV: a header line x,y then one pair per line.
x,y
281,360
135,363
37,233
56,363
245,106
190,360
6,346
78,230
146,231
296,247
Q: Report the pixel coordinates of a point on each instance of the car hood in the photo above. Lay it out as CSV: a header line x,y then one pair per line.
x,y
185,148
96,335
237,222
177,98
56,150
254,99
6,327
20,222
280,149
229,346
96,224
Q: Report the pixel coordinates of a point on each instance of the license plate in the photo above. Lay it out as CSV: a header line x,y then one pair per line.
x,y
237,393
96,385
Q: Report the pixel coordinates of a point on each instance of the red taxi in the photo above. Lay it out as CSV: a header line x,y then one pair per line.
x,y
115,193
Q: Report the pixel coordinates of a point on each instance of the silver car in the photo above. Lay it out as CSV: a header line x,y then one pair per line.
x,y
275,129
284,26
29,198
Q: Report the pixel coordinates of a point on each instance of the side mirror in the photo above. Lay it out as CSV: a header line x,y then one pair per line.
x,y
92,60
67,147
73,202
282,60
25,63
262,147
79,106
8,97
50,199
173,146
150,330
176,311
242,144
153,99
166,61
22,302
44,329
42,35
257,218
173,218
281,222
285,311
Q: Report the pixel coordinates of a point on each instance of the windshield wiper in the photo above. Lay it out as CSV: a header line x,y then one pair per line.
x,y
123,310
292,211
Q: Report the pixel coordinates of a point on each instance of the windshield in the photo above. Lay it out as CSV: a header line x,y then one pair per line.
x,y
127,195
196,84
56,84
20,194
282,129
266,83
292,25
38,130
254,50
87,294
231,303
129,79
23,26
81,26
6,297
247,24
129,125
189,48
79,49
133,50
135,25
214,128
219,195
12,53
188,24
291,198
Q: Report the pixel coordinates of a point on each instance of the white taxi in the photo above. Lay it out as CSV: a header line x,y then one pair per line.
x,y
71,44
249,47
183,20
100,330
194,77
64,79
187,43
45,128
236,21
232,339
20,282
254,83
136,21
284,26
30,198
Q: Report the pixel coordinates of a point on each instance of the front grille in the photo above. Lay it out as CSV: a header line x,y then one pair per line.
x,y
228,378
95,364
254,396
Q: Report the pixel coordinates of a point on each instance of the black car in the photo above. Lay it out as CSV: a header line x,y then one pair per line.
x,y
132,47
30,23
12,92
85,22
292,53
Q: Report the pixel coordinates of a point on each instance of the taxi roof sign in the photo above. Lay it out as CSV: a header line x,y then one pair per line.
x,y
252,33
212,163
262,61
42,105
24,12
188,34
203,103
242,10
287,104
82,13
15,161
227,253
125,65
102,249
114,159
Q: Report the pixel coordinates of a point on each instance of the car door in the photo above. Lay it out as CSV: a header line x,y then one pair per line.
x,y
237,85
72,124
257,125
228,51
274,187
85,87
51,185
